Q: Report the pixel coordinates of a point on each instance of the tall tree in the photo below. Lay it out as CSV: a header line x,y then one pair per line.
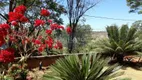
x,y
75,10
135,6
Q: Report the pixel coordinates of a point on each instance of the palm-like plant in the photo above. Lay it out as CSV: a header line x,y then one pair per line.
x,y
86,68
120,42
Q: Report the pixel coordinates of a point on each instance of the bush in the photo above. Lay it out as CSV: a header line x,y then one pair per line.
x,y
88,67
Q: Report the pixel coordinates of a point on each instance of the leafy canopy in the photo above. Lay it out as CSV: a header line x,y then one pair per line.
x,y
135,6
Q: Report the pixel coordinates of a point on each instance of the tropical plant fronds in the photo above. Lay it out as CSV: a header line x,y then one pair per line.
x,y
121,42
88,67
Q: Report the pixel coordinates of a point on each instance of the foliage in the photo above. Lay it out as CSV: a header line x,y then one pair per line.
x,y
14,72
120,42
83,34
82,37
138,25
33,8
81,41
22,37
18,71
26,37
88,67
135,6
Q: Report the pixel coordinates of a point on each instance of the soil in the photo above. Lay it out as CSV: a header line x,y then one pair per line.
x,y
132,73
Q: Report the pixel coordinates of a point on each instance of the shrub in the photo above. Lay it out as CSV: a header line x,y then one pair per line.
x,y
89,67
120,42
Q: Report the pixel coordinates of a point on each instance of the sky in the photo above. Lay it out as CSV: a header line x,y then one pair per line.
x,y
109,8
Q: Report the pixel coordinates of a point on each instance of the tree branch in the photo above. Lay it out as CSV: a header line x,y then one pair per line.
x,y
3,16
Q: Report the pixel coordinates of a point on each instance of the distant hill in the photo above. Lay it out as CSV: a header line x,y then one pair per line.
x,y
99,34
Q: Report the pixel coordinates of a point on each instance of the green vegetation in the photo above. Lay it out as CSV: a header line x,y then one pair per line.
x,y
135,6
120,42
88,67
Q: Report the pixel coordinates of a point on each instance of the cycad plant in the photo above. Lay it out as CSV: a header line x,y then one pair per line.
x,y
121,41
88,67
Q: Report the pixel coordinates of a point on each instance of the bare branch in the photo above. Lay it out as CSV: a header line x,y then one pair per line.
x,y
3,16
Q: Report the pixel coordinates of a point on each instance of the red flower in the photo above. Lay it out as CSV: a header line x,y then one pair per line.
x,y
14,23
56,26
50,45
20,9
53,26
24,19
4,26
41,48
44,12
12,38
56,47
69,30
59,45
2,41
48,32
37,41
60,27
39,22
7,55
3,31
49,21
50,39
49,42
13,16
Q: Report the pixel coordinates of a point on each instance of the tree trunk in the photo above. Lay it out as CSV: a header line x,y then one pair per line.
x,y
11,5
71,38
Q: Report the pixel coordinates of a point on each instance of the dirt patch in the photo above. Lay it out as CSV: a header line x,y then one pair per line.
x,y
131,73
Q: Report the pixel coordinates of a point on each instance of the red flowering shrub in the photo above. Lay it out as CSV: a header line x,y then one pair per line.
x,y
24,37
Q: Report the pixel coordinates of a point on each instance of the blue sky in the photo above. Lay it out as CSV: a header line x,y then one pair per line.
x,y
109,8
